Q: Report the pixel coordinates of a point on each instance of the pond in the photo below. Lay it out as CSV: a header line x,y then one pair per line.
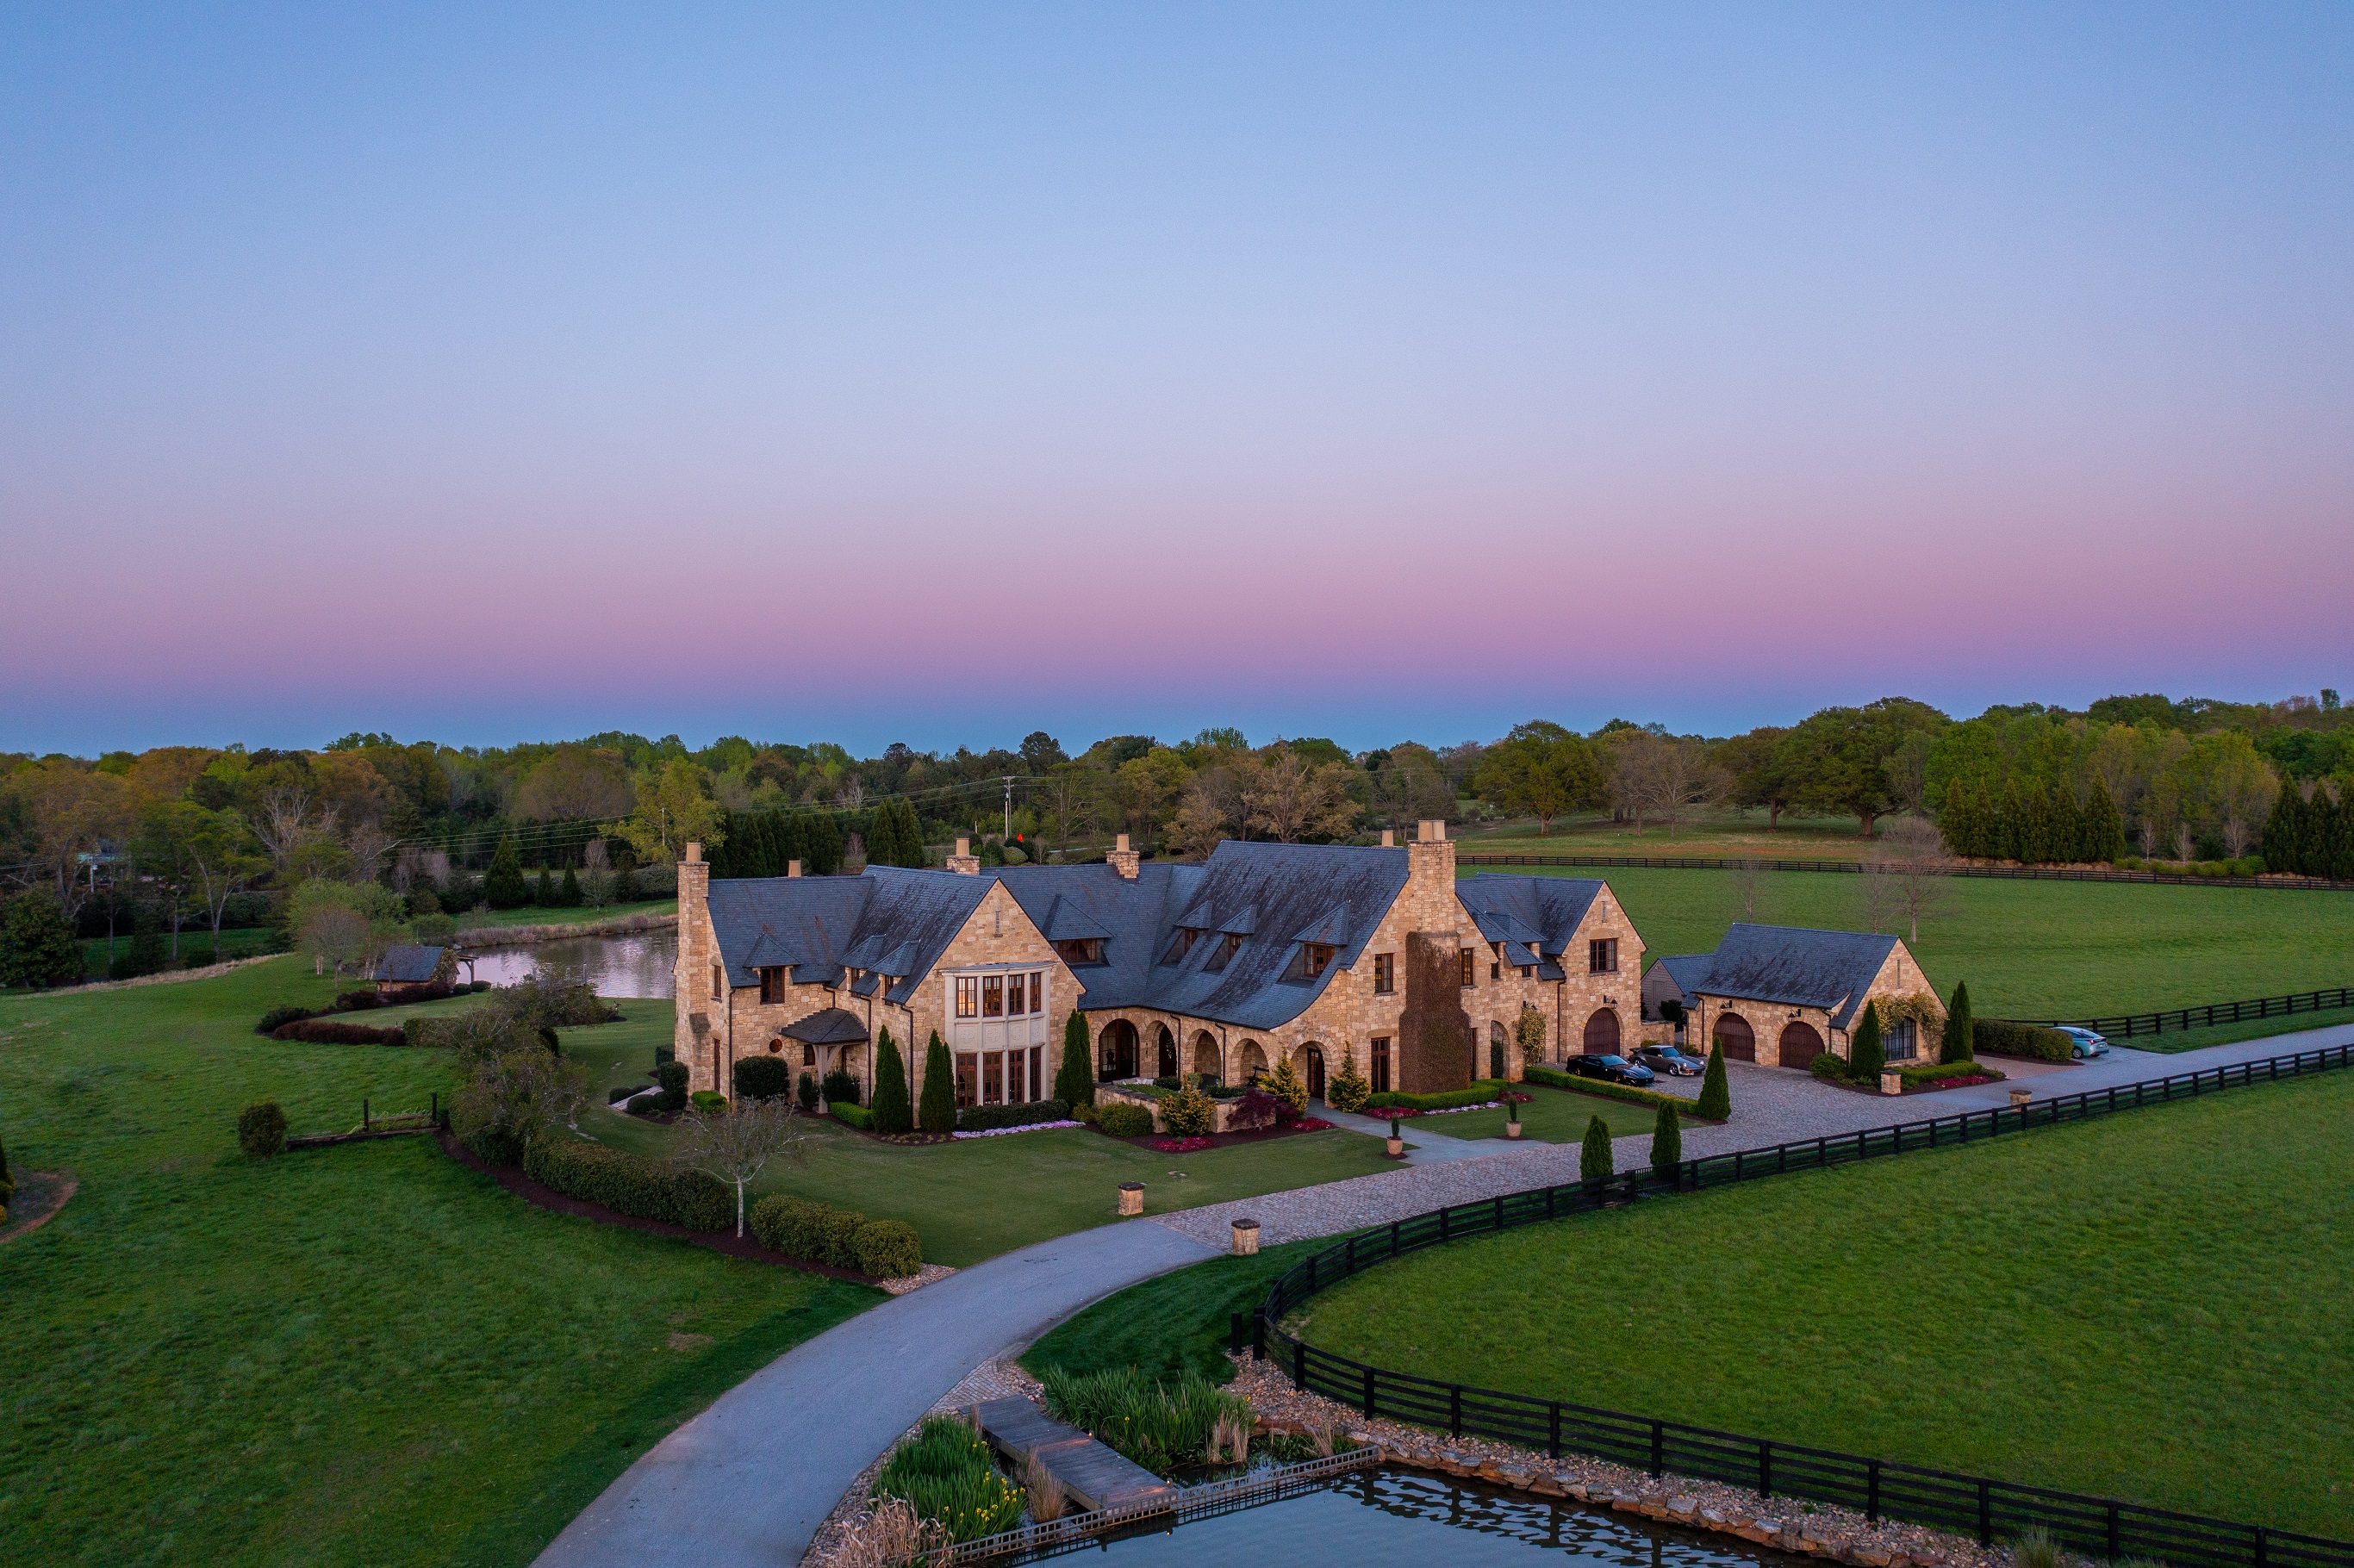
x,y
637,965
1393,1519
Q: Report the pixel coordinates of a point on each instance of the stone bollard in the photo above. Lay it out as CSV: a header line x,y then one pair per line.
x,y
1246,1238
1892,1081
2020,1096
1131,1197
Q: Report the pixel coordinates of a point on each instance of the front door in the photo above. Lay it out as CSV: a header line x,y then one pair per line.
x,y
1315,1073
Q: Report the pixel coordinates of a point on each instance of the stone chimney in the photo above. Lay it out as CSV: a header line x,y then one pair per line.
x,y
1389,838
691,970
964,862
793,868
1124,860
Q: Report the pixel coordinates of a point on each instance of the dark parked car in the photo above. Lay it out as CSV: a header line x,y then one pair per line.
x,y
1615,1069
1668,1060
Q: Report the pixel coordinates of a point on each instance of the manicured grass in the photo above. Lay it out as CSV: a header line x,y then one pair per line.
x,y
1730,835
195,947
973,1199
362,1354
1168,1325
2152,1306
1555,1116
2045,950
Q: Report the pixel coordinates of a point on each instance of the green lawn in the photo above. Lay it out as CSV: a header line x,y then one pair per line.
x,y
365,1354
2046,950
1730,834
2152,1306
1555,1116
1171,1325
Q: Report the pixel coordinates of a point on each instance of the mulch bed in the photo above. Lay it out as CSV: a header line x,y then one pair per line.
x,y
1214,1140
39,1195
745,1247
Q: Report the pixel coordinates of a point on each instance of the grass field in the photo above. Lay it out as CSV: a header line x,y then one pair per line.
x,y
2151,1307
365,1354
1171,1325
1732,834
2048,950
1553,1116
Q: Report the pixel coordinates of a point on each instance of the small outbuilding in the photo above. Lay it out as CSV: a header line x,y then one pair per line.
x,y
409,965
1782,995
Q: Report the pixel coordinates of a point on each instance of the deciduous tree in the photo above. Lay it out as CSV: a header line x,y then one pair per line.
x,y
733,1145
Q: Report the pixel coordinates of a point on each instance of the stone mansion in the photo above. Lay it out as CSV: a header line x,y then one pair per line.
x,y
1262,952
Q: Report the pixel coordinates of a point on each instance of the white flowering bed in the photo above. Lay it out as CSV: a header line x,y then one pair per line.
x,y
1026,1126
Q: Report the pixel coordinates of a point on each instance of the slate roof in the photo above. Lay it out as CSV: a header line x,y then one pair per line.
x,y
1687,969
1793,965
833,1026
1521,910
409,965
892,921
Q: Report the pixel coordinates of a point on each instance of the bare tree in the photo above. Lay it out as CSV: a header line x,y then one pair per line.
x,y
1663,778
1748,879
1907,875
737,1144
1068,796
1289,800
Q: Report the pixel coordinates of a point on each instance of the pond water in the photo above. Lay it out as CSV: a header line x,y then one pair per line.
x,y
1393,1519
639,965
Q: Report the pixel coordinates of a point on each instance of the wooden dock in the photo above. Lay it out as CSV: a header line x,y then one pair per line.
x,y
1094,1475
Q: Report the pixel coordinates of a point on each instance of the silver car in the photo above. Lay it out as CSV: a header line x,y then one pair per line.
x,y
2086,1043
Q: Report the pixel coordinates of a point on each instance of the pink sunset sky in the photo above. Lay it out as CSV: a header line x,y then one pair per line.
x,y
938,374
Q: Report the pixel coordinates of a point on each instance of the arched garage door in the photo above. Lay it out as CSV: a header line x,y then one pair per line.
x,y
1602,1033
1801,1045
1735,1037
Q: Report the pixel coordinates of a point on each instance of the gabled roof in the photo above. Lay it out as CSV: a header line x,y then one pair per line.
x,y
409,965
833,1026
1797,966
892,922
1546,910
1687,970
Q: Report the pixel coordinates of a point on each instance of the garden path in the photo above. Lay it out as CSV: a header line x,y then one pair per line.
x,y
749,1480
1423,1146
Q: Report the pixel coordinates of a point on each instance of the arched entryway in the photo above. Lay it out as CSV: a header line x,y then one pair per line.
x,y
1496,1043
1167,1052
1249,1062
1800,1044
1312,1069
1602,1033
1205,1054
1116,1051
1735,1037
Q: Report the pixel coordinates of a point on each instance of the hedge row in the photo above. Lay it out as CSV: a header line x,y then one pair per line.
x,y
630,1184
362,1001
1481,1091
1610,1091
324,1031
1939,1072
985,1118
850,1113
884,1249
2000,1037
1124,1118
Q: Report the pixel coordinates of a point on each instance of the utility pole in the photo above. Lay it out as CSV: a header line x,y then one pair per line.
x,y
1007,837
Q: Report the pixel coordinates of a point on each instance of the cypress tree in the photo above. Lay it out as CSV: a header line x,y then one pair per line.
x,y
881,836
502,886
2064,826
2007,829
1074,1080
772,844
939,1089
790,845
1715,1094
541,894
892,1111
1667,1142
2284,839
2104,826
569,896
1958,1043
1593,1157
2341,839
1864,1056
824,842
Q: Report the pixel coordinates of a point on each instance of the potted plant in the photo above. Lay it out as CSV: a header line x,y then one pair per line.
x,y
1396,1143
1511,1114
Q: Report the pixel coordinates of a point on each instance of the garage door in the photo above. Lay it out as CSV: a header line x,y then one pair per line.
x,y
1801,1045
1602,1033
1734,1038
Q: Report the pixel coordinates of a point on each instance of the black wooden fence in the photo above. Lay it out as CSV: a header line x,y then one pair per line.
x,y
2129,1025
1970,1505
1855,867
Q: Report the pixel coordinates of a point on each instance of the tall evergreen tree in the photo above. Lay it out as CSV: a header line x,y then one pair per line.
x,y
2103,830
1865,1056
2010,825
2063,825
503,886
939,1110
1667,1141
2284,839
569,894
1715,1094
1593,1156
1074,1080
2328,829
893,1111
543,893
1958,1043
825,843
791,844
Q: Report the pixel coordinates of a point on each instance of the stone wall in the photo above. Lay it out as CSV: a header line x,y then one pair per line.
x,y
1898,976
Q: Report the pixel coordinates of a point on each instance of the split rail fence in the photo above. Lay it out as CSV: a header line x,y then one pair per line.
x,y
1856,868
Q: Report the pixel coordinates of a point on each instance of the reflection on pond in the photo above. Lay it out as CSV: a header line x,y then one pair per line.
x,y
637,965
1377,1518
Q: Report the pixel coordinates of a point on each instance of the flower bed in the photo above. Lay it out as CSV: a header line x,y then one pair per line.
x,y
1183,1145
1002,1131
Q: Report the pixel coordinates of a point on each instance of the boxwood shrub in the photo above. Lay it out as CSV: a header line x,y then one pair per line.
x,y
261,1130
2000,1037
1939,1072
672,1075
1122,1118
1481,1091
278,1017
1553,1078
326,1032
763,1078
983,1119
630,1184
888,1249
852,1114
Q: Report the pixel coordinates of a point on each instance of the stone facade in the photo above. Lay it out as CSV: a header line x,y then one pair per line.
x,y
1787,1035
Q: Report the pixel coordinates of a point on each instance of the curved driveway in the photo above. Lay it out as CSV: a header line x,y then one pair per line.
x,y
749,1480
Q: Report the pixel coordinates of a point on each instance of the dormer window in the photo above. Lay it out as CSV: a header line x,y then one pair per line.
x,y
1080,950
1229,944
1317,958
1180,944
